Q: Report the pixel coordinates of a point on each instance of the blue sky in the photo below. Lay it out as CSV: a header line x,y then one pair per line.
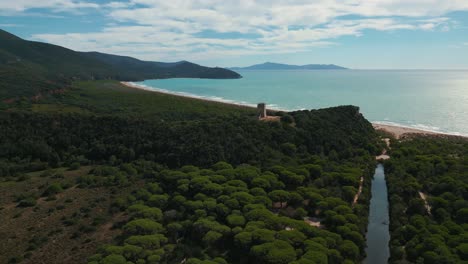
x,y
364,34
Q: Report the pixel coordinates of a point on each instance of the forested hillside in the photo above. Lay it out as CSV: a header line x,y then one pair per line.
x,y
428,188
119,175
29,68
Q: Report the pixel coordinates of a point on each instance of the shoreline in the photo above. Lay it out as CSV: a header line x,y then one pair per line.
x,y
213,99
396,130
184,95
402,131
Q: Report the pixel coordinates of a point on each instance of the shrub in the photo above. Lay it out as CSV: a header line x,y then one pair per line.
x,y
114,259
287,119
23,177
236,220
27,202
143,227
147,241
75,166
58,175
53,189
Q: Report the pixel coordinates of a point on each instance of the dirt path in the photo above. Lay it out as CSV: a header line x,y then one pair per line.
x,y
313,221
384,155
356,197
426,204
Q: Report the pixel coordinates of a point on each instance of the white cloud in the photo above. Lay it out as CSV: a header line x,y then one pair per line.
x,y
56,5
118,5
443,23
172,30
10,25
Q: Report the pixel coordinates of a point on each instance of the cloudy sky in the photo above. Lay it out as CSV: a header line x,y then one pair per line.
x,y
382,34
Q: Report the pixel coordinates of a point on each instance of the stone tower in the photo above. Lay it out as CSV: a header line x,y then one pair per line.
x,y
261,110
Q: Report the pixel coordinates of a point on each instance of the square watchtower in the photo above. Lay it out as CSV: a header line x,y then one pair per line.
x,y
261,110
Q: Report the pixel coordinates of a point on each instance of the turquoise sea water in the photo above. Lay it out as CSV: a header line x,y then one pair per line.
x,y
427,99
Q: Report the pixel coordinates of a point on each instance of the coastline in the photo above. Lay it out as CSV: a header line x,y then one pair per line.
x,y
398,131
402,131
207,99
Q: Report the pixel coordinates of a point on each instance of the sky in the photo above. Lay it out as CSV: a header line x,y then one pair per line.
x,y
360,34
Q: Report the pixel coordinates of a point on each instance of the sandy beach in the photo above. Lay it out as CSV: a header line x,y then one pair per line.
x,y
400,131
131,85
135,86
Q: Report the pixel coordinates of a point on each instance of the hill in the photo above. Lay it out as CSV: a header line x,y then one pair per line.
x,y
128,68
279,66
28,68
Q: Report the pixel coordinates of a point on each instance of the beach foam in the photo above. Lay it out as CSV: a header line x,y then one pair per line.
x,y
207,98
421,127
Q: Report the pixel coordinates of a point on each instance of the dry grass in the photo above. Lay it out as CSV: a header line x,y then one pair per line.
x,y
67,229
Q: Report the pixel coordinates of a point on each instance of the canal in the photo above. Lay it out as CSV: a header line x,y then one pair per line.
x,y
378,234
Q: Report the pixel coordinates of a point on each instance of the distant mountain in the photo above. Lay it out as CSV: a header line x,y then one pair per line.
x,y
29,67
279,66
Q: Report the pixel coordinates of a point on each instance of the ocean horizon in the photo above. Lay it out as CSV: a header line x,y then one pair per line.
x,y
431,100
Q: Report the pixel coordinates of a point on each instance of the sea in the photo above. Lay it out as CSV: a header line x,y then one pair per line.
x,y
432,100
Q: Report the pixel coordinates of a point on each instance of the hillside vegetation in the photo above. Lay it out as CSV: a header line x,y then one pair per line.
x,y
120,175
28,68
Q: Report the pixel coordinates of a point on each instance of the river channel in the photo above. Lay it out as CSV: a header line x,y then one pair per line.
x,y
378,234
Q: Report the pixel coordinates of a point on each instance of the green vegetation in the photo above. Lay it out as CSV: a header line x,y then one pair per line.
x,y
29,69
53,189
172,178
228,214
435,232
186,135
110,98
79,218
121,175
